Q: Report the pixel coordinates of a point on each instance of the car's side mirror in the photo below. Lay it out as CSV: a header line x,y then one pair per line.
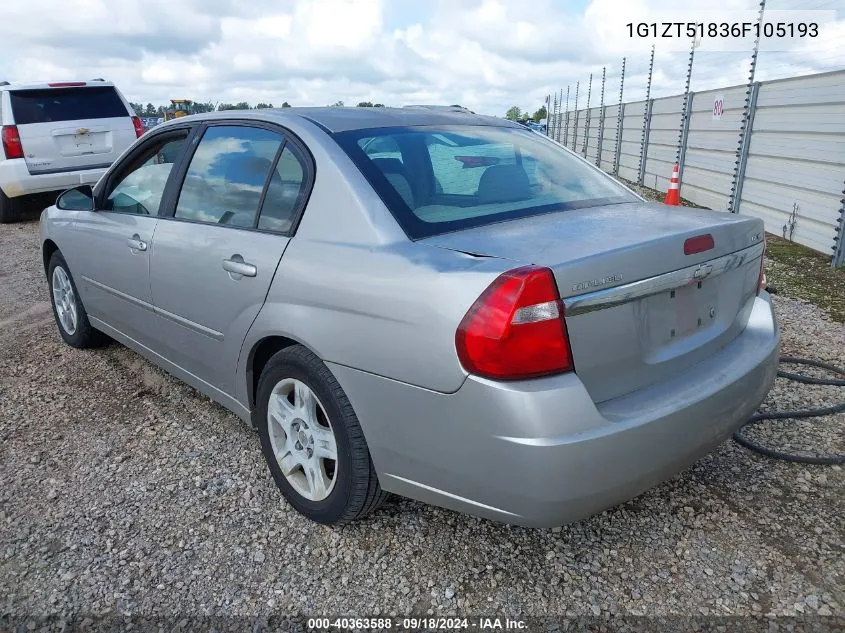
x,y
79,198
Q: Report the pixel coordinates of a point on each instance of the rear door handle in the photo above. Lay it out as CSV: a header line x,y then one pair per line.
x,y
238,266
136,243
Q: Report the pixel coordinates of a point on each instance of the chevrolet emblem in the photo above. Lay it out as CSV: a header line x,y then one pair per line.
x,y
702,271
82,131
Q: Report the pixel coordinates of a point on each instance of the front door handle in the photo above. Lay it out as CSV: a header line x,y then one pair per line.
x,y
237,266
136,243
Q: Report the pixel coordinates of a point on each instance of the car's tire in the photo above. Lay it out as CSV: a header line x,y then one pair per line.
x,y
350,489
9,210
70,315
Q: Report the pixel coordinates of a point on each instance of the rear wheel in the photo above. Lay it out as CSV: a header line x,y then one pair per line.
x,y
68,310
312,441
9,211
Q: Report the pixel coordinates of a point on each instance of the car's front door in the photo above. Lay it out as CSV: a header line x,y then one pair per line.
x,y
109,249
217,250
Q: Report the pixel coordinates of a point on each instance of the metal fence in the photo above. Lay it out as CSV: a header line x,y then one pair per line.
x,y
772,149
790,173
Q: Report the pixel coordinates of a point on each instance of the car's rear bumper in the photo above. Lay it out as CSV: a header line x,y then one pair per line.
x,y
540,452
16,181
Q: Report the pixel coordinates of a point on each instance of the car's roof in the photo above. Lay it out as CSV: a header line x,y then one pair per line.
x,y
55,85
343,119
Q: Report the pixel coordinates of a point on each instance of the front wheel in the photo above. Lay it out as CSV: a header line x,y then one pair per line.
x,y
68,310
312,441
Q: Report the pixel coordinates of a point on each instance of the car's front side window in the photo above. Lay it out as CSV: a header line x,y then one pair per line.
x,y
227,174
140,190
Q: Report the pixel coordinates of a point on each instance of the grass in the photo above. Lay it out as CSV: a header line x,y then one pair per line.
x,y
801,273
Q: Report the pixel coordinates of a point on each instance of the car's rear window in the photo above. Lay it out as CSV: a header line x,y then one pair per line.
x,y
66,104
440,179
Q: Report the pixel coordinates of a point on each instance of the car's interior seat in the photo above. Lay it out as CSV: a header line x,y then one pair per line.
x,y
397,176
503,183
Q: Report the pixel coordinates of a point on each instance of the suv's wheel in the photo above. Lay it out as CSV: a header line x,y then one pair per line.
x,y
312,440
68,309
8,209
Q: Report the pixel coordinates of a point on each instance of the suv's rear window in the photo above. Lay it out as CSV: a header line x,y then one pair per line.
x,y
440,179
66,104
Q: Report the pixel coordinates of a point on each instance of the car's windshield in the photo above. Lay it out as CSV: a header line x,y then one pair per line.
x,y
440,179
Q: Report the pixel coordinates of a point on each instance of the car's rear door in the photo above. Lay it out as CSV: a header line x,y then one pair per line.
x,y
108,250
217,250
71,126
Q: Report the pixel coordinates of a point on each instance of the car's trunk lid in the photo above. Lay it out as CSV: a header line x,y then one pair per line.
x,y
668,310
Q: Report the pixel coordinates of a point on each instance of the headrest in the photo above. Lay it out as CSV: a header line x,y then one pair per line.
x,y
503,183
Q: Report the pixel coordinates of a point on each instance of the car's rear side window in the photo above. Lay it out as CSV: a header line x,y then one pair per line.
x,y
66,104
284,193
454,177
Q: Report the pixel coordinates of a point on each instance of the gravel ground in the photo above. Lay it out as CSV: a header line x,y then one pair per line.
x,y
124,491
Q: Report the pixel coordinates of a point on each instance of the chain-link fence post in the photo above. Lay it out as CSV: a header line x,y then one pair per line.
x,y
600,140
839,238
559,115
566,122
747,115
548,105
587,120
620,114
686,113
575,127
646,122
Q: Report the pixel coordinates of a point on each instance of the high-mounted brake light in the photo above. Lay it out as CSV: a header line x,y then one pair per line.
x,y
12,147
698,244
68,84
139,127
515,329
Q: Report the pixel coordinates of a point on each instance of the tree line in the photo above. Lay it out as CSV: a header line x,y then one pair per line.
x,y
515,113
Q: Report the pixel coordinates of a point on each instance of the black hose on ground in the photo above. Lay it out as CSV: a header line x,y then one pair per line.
x,y
798,414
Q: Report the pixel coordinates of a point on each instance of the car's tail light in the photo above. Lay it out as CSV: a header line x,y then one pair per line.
x,y
761,279
139,127
68,84
12,147
515,329
698,244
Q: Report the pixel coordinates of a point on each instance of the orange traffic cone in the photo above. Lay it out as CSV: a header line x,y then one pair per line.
x,y
673,195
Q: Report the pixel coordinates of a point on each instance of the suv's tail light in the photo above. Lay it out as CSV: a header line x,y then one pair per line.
x,y
761,279
139,127
12,147
515,329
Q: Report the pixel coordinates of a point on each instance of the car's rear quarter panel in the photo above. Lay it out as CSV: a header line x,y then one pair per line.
x,y
355,290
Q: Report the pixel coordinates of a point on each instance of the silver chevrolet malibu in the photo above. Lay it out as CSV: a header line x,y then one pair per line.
x,y
445,306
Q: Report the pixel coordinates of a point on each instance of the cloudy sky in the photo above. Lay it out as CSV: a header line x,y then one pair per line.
x,y
484,54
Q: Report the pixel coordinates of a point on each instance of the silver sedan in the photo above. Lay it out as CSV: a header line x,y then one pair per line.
x,y
441,305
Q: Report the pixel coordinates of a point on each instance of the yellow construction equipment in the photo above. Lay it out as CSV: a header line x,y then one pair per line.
x,y
179,108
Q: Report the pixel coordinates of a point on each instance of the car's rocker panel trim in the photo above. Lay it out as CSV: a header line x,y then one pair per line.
x,y
191,325
117,293
610,297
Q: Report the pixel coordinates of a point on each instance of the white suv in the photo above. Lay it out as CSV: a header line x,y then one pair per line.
x,y
59,135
